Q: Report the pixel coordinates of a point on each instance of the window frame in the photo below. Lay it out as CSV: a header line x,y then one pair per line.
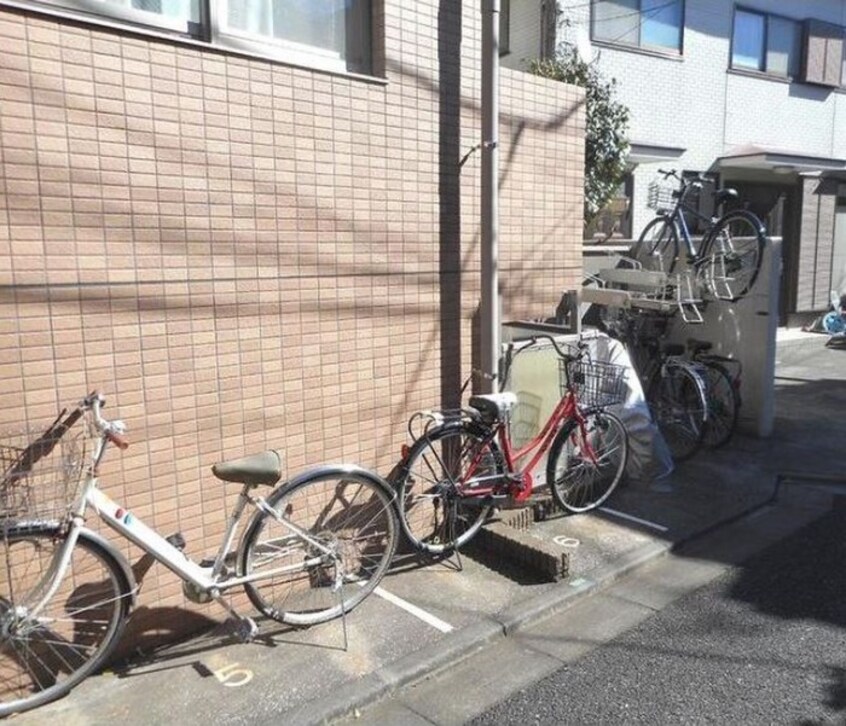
x,y
640,47
207,32
798,23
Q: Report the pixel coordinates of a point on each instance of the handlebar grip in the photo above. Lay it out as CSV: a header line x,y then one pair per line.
x,y
118,440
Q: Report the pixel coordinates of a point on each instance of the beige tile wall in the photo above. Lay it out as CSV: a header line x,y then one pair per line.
x,y
242,254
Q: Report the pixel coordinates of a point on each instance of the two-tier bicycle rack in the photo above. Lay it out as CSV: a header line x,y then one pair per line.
x,y
656,292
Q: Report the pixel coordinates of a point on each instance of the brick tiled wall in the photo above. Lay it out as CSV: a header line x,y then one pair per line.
x,y
242,254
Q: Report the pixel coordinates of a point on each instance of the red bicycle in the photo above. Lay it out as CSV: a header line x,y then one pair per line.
x,y
464,463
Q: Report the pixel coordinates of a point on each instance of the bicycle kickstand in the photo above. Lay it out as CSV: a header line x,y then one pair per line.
x,y
451,536
339,588
245,627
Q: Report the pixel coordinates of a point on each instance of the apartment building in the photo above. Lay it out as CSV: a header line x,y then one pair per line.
x,y
752,92
256,225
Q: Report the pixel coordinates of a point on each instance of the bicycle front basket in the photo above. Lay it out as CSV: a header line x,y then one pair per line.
x,y
39,477
660,197
595,383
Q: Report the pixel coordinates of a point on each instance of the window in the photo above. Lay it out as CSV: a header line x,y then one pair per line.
x,y
615,220
653,24
313,32
766,43
178,15
327,34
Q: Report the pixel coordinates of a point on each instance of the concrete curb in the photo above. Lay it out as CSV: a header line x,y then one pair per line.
x,y
463,643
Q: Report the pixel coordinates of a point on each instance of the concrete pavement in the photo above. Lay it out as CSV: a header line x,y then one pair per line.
x,y
430,615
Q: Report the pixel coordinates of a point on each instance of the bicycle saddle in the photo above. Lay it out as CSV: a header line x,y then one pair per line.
x,y
264,468
723,195
493,406
672,349
699,346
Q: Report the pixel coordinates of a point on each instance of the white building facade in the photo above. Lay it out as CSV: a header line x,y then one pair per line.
x,y
752,92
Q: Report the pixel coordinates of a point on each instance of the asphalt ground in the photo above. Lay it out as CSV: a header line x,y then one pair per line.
x,y
430,615
765,643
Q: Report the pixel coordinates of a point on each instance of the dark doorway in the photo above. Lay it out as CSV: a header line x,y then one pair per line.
x,y
777,206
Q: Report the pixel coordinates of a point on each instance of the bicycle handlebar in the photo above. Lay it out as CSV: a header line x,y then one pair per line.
x,y
112,431
580,345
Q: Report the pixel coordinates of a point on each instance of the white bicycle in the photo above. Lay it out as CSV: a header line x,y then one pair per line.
x,y
315,547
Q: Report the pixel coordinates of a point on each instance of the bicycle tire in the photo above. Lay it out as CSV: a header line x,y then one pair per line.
x,y
43,658
657,248
346,509
723,405
426,481
571,469
732,257
676,397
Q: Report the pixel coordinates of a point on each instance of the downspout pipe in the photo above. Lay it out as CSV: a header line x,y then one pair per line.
x,y
489,305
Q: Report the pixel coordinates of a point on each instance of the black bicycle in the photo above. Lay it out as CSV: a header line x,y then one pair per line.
x,y
728,259
722,391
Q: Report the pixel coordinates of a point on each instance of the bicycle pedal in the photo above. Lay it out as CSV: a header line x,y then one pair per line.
x,y
176,540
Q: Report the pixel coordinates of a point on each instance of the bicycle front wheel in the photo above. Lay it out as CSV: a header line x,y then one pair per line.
x,y
45,652
438,509
677,400
733,256
723,406
325,546
587,462
657,248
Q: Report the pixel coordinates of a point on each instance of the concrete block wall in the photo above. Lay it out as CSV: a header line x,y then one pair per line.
x,y
243,255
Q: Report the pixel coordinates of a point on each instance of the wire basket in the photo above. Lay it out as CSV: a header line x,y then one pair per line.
x,y
661,197
39,476
595,383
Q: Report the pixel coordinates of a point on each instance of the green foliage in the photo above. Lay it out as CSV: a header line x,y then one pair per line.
x,y
607,122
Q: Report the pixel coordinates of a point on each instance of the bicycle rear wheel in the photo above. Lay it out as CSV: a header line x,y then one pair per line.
x,y
44,654
677,399
586,464
657,247
732,259
342,536
435,484
723,405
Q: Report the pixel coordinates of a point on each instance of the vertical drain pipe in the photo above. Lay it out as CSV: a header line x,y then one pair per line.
x,y
489,307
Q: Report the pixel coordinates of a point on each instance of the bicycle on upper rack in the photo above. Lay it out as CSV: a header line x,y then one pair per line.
x,y
727,260
722,389
314,548
464,463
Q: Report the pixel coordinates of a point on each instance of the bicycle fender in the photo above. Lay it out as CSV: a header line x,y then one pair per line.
x,y
96,539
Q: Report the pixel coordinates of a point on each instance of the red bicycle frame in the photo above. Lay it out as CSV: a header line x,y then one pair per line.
x,y
521,486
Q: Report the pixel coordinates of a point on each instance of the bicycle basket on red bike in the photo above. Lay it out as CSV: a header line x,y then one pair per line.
x,y
594,383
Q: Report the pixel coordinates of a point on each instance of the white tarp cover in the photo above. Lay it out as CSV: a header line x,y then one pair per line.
x,y
534,377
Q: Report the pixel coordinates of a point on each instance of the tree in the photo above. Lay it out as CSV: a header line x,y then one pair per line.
x,y
607,123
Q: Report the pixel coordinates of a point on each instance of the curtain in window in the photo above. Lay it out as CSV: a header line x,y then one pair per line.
x,y
783,42
748,41
177,9
662,22
617,20
317,23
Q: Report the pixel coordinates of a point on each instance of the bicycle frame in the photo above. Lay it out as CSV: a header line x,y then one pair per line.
x,y
567,409
676,218
208,579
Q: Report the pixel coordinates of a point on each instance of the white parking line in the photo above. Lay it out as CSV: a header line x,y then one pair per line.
x,y
644,522
417,612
